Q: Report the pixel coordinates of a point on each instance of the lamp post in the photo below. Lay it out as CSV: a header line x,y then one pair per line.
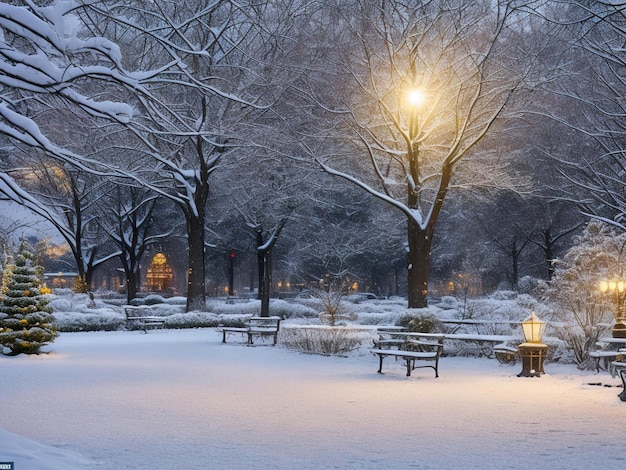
x,y
617,288
533,351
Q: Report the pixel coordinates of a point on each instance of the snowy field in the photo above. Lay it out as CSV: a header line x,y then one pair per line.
x,y
180,399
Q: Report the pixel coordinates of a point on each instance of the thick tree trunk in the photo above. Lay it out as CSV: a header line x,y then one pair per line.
x,y
132,283
419,265
265,282
196,296
549,252
515,258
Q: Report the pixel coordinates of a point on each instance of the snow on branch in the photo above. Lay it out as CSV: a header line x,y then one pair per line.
x,y
42,61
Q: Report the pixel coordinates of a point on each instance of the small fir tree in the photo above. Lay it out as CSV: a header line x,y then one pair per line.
x,y
25,318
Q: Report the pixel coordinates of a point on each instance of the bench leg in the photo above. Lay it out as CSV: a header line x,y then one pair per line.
x,y
622,395
408,367
224,337
380,363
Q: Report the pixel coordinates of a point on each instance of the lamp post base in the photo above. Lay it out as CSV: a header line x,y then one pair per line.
x,y
532,356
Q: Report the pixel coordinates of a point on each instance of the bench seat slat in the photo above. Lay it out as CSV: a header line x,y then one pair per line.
x,y
402,353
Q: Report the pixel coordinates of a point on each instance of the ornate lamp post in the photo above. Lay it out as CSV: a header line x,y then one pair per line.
x,y
533,351
617,288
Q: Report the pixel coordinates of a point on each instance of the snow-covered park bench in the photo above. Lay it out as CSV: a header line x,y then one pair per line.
x,y
256,326
142,316
608,350
410,347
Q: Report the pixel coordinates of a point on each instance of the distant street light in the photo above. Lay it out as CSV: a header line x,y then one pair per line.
x,y
617,288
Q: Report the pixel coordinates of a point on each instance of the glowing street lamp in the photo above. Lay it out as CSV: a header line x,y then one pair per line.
x,y
415,97
533,351
533,329
617,288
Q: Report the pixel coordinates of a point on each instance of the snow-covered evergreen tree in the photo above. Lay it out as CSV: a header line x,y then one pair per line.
x,y
25,318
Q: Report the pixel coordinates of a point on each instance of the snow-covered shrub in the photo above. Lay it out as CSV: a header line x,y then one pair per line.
x,y
283,309
323,339
153,299
527,302
94,320
198,320
248,307
334,308
448,303
378,318
419,323
503,295
598,254
527,284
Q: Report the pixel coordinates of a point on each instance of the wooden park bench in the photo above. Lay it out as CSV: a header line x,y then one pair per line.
x,y
410,347
140,316
256,326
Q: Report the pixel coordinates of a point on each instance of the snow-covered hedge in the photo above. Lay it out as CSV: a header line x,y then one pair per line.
x,y
326,340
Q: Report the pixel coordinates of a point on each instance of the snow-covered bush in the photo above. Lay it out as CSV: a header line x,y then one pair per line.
x,y
93,320
283,309
153,299
527,284
503,295
323,339
448,303
419,323
598,254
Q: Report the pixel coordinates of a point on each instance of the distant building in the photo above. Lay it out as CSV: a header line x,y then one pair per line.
x,y
160,276
60,280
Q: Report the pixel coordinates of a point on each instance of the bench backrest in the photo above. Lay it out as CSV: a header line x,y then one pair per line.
x,y
415,341
271,323
137,311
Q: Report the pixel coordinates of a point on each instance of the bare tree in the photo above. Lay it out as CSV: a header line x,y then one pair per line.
x,y
461,65
65,197
595,86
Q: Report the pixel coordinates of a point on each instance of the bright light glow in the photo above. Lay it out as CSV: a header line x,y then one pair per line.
x,y
604,286
533,328
416,97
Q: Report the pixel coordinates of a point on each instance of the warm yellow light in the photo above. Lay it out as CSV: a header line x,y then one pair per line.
x,y
533,328
604,286
416,97
620,286
612,285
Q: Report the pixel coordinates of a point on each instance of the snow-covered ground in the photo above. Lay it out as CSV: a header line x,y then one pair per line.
x,y
181,399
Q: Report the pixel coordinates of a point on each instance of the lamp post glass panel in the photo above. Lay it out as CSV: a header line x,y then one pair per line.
x,y
617,288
